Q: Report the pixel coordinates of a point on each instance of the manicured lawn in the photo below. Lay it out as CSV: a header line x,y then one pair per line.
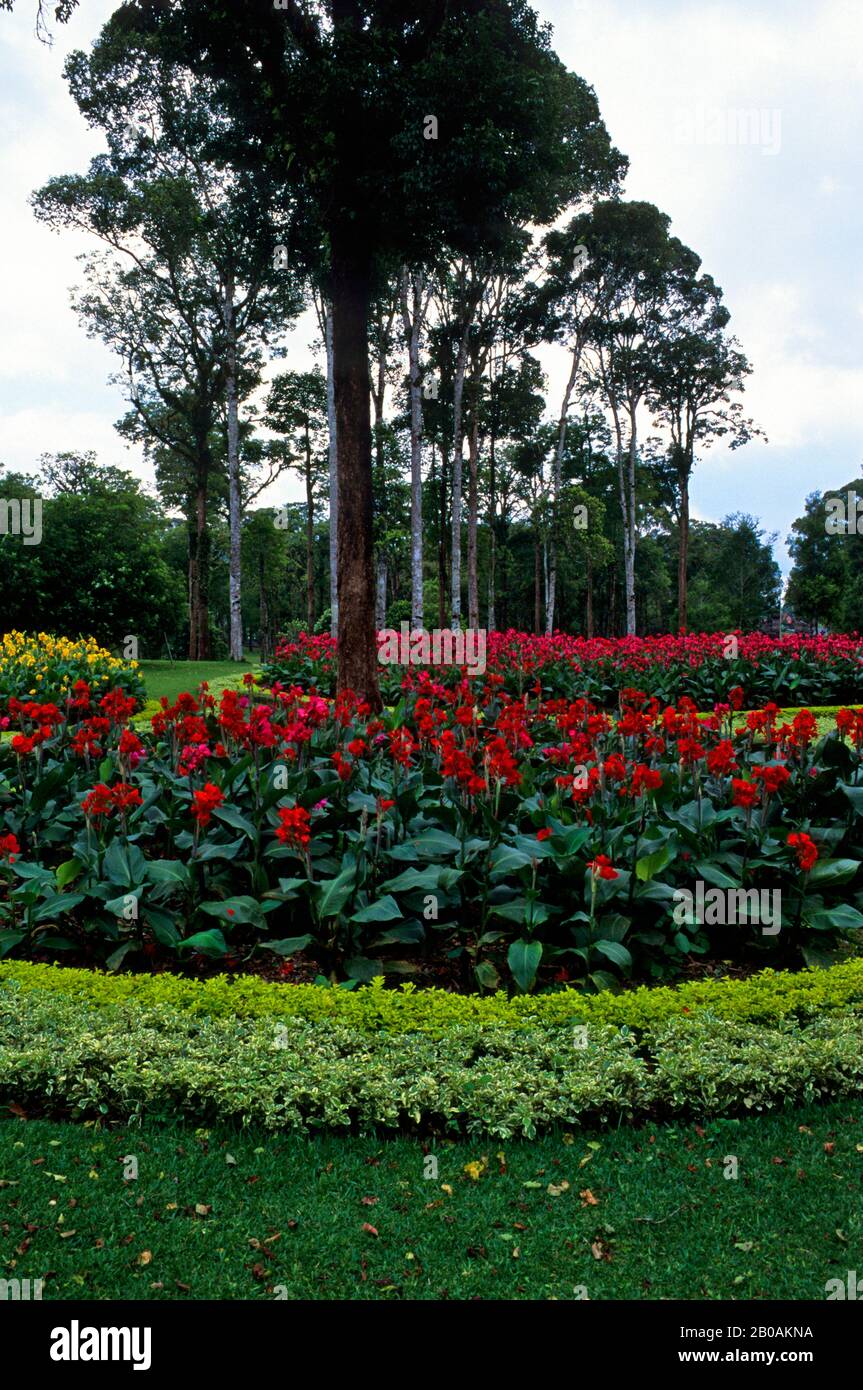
x,y
165,678
647,1213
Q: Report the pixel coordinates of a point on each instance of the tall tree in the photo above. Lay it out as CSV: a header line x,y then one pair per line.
x,y
414,302
633,264
296,408
697,370
393,127
164,188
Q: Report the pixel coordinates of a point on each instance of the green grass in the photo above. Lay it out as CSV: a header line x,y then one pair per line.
x,y
165,678
224,1214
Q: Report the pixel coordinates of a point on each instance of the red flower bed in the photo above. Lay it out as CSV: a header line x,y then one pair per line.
x,y
707,667
539,839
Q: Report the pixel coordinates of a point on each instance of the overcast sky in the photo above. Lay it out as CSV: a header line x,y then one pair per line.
x,y
776,217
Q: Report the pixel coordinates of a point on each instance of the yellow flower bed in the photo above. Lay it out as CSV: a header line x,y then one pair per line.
x,y
40,666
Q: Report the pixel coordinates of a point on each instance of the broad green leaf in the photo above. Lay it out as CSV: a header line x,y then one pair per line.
x,y
385,909
287,946
523,959
168,871
230,816
650,865
333,893
614,951
68,872
235,911
209,943
56,904
834,871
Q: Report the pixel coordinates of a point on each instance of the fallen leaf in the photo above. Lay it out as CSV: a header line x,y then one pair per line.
x,y
202,1210
588,1198
145,1257
370,1201
369,1230
556,1189
829,1147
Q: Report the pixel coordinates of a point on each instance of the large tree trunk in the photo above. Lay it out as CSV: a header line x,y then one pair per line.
x,y
358,663
472,521
589,614
234,500
412,316
557,473
310,537
334,476
457,466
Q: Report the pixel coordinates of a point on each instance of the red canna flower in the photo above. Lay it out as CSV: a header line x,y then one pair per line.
x,y
98,802
645,779
294,828
9,848
721,760
205,802
805,849
602,867
772,777
744,793
124,797
544,834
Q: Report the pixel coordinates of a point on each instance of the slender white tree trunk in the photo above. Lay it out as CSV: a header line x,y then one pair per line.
x,y
234,500
381,594
473,522
412,307
334,477
457,467
629,528
557,474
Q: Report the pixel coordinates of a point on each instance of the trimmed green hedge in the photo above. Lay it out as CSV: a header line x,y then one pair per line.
x,y
62,1055
767,997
